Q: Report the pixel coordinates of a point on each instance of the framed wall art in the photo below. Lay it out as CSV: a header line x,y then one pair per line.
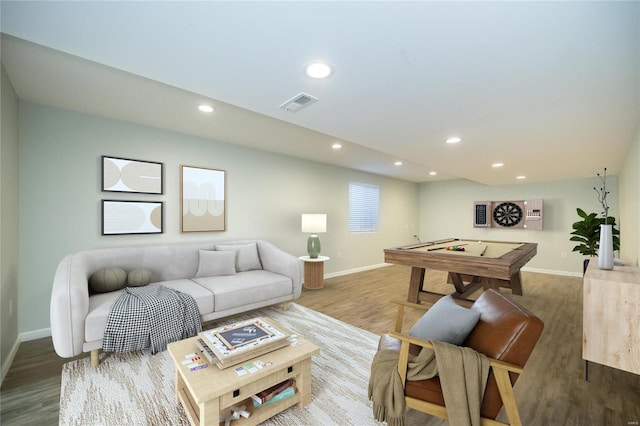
x,y
132,217
203,203
127,175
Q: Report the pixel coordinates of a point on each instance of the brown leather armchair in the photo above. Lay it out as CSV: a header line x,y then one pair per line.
x,y
506,333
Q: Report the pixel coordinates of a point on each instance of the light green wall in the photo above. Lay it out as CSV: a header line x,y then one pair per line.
x,y
446,210
60,201
629,185
266,193
8,220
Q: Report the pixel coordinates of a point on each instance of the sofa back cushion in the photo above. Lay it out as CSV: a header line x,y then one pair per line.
x,y
216,263
165,262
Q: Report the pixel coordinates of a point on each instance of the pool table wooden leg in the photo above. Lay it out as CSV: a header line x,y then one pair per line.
x,y
516,283
415,284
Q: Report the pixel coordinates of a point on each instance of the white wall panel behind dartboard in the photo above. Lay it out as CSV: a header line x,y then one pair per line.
x,y
514,214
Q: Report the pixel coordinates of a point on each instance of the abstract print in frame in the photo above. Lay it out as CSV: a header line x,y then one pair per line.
x,y
202,199
131,217
127,175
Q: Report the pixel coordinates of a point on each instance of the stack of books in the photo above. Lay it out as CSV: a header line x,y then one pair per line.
x,y
275,393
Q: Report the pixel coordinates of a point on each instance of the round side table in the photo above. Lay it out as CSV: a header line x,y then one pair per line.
x,y
314,271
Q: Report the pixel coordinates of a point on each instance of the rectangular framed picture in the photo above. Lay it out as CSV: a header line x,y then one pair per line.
x,y
202,199
127,175
132,217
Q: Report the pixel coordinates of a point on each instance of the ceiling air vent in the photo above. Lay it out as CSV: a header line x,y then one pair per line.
x,y
298,102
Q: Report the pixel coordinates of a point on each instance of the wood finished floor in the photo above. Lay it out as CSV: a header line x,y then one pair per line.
x,y
552,391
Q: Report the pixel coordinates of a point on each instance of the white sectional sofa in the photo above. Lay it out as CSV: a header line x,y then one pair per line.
x,y
224,278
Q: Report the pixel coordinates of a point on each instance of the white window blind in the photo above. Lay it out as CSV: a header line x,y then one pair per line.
x,y
364,200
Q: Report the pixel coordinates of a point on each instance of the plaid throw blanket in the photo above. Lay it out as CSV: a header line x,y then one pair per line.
x,y
145,317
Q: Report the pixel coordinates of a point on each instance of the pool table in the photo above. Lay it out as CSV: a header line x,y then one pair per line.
x,y
470,264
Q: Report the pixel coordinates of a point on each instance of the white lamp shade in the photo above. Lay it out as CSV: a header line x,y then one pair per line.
x,y
314,223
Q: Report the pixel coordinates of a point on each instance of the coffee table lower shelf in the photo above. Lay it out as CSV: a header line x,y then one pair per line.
x,y
258,415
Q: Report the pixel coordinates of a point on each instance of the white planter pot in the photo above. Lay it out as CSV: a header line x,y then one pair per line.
x,y
605,250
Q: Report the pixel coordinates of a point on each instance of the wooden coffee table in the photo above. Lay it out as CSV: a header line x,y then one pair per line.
x,y
207,394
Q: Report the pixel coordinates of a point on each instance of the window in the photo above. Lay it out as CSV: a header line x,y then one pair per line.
x,y
364,203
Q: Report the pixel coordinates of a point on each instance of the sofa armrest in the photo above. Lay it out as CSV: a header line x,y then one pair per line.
x,y
70,305
279,261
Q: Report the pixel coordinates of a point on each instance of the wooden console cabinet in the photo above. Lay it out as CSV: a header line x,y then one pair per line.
x,y
611,317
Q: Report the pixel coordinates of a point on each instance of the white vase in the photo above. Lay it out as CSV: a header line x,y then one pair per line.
x,y
605,250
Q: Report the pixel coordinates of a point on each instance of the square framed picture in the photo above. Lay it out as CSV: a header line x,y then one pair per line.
x,y
202,199
132,217
127,175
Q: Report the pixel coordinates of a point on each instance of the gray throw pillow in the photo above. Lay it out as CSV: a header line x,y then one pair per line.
x,y
247,258
446,321
215,263
107,279
138,277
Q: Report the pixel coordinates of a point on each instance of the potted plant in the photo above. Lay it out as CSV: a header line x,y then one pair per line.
x,y
587,231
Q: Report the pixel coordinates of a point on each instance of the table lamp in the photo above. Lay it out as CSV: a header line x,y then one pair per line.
x,y
314,223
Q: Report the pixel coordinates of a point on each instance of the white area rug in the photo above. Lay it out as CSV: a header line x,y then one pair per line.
x,y
138,388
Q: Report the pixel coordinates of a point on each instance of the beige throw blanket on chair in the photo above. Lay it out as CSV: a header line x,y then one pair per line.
x,y
463,376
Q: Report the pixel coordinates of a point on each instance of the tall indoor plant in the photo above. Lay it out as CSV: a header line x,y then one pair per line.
x,y
587,232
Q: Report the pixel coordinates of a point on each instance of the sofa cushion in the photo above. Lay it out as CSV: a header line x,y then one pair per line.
x,y
138,277
246,288
247,258
446,321
107,279
203,297
100,304
216,263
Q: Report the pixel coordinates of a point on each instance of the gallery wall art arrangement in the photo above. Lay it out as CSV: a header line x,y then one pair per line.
x,y
202,197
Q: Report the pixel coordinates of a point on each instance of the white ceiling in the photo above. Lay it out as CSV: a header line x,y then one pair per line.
x,y
550,89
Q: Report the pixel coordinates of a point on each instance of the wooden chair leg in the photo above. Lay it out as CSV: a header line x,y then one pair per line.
x,y
95,357
508,398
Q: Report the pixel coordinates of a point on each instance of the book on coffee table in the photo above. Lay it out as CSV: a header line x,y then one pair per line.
x,y
238,342
268,394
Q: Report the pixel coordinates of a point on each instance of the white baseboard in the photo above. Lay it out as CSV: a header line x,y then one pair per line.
x,y
353,271
553,272
35,334
526,269
7,362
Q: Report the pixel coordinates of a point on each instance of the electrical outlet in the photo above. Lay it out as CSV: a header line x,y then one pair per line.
x,y
563,255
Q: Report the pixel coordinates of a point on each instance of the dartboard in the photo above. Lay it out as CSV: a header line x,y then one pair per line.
x,y
507,214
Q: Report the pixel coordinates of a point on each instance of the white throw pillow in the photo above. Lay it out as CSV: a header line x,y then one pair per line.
x,y
446,321
215,263
247,258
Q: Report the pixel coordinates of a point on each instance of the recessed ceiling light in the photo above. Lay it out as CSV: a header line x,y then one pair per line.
x,y
433,173
398,163
206,108
336,146
521,177
454,139
318,69
496,165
